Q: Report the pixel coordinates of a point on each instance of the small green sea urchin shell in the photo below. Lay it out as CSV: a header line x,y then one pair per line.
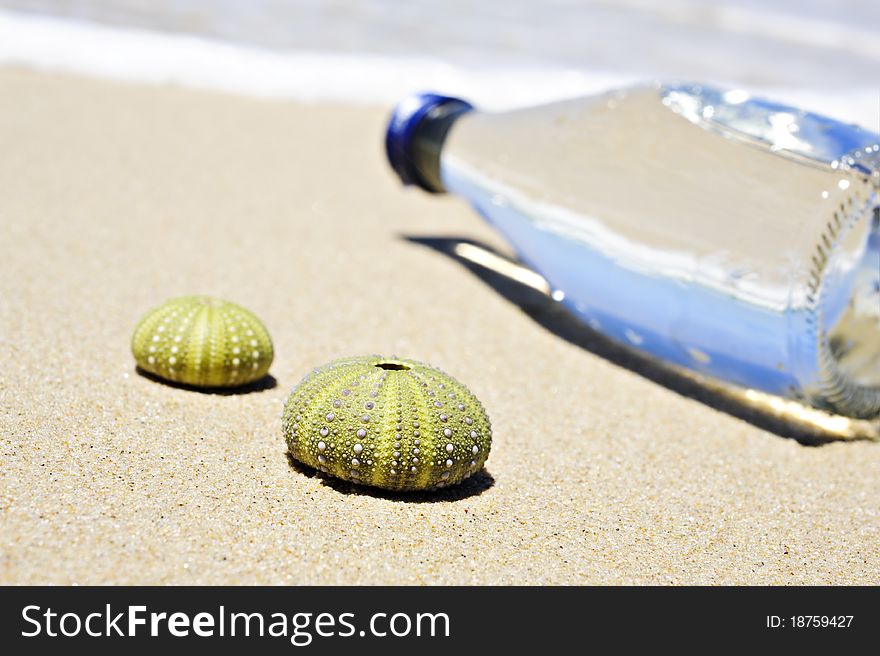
x,y
391,423
202,341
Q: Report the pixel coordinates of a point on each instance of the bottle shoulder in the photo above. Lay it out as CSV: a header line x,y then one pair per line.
x,y
733,114
736,114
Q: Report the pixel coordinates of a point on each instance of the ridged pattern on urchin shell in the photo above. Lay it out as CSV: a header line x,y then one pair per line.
x,y
391,423
202,341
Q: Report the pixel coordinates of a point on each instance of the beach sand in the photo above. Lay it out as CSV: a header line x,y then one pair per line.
x,y
114,198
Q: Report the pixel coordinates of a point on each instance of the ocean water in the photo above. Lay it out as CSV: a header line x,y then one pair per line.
x,y
821,54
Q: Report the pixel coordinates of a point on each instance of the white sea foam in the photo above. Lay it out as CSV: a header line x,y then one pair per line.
x,y
167,58
793,24
161,58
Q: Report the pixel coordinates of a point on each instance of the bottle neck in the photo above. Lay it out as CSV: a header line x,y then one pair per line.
x,y
427,143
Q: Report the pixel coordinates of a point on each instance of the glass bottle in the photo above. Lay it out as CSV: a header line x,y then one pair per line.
x,y
727,234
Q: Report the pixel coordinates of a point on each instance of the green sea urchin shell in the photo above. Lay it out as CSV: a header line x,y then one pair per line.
x,y
387,422
202,341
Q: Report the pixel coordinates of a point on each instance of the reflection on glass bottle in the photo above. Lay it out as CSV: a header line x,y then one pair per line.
x,y
734,236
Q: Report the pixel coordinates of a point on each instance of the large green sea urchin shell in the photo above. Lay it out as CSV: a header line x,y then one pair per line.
x,y
202,341
390,423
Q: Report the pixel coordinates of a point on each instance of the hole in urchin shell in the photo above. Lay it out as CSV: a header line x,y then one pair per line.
x,y
392,366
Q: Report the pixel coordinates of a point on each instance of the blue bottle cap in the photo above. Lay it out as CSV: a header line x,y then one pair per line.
x,y
402,126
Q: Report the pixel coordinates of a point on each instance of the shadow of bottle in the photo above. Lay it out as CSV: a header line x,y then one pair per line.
x,y
531,293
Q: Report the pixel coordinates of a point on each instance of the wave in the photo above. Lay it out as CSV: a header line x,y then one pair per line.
x,y
159,58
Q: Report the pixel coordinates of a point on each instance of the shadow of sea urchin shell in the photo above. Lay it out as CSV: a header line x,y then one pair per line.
x,y
391,423
202,341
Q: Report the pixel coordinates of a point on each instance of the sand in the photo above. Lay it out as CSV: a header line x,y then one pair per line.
x,y
114,198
